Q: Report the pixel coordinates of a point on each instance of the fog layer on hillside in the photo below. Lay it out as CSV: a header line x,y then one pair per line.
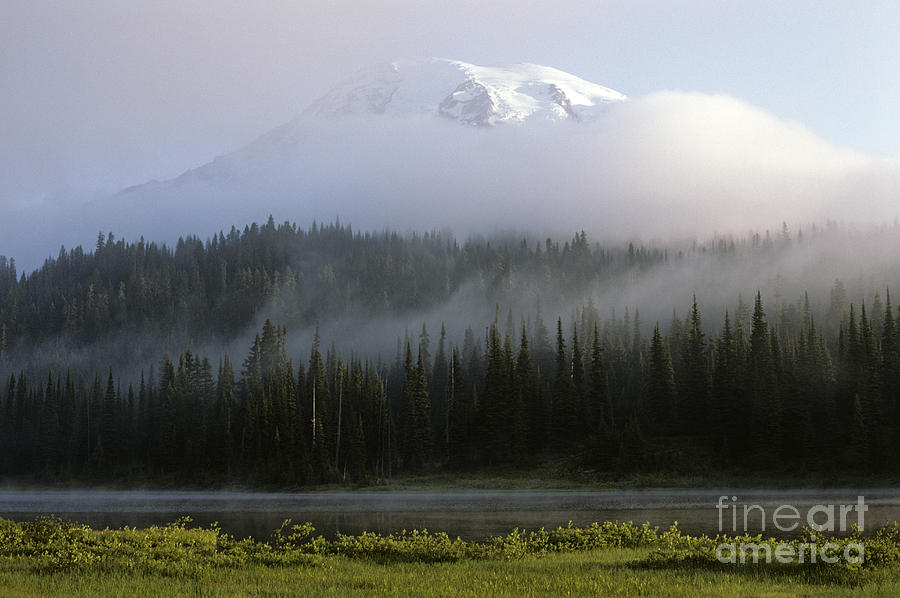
x,y
668,166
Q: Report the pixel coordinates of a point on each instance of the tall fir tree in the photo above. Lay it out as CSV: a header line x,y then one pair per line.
x,y
659,406
416,442
693,376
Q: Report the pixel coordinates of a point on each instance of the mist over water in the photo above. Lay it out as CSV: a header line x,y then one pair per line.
x,y
469,514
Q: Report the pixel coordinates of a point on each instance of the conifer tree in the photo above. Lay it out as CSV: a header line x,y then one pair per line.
x,y
598,395
416,441
460,413
659,411
543,350
494,405
109,429
315,412
425,347
533,422
562,411
600,412
693,376
437,391
762,380
49,427
889,369
579,390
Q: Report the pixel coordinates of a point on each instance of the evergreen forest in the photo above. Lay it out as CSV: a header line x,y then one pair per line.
x,y
553,376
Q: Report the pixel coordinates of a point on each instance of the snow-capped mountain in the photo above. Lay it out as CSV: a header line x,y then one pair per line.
x,y
428,144
384,138
446,89
471,94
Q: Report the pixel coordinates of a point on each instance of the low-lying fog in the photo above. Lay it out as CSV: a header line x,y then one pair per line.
x,y
470,514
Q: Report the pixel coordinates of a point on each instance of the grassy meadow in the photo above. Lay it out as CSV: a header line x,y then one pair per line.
x,y
49,557
602,572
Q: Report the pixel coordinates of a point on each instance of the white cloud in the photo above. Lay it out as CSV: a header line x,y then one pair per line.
x,y
667,166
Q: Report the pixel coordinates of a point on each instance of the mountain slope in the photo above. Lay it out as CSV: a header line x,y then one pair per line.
x,y
376,137
448,89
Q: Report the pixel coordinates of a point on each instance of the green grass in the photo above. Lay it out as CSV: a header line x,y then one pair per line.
x,y
613,572
48,557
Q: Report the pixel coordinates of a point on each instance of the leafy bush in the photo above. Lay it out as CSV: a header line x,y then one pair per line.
x,y
48,544
51,544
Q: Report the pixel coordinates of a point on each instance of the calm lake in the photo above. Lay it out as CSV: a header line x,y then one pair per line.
x,y
469,514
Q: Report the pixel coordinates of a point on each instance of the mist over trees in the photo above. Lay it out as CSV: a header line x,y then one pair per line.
x,y
123,297
763,394
791,382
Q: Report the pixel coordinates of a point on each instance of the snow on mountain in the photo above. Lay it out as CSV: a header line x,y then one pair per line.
x,y
432,143
470,94
375,145
446,89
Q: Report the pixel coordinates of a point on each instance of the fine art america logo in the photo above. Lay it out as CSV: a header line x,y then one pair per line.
x,y
786,518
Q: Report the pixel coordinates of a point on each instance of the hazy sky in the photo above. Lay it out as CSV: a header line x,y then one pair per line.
x,y
102,94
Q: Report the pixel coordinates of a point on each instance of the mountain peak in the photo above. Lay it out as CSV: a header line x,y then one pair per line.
x,y
467,93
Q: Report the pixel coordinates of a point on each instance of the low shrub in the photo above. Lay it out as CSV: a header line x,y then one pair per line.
x,y
49,544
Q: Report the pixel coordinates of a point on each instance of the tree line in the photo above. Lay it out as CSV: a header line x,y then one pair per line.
x,y
759,394
213,290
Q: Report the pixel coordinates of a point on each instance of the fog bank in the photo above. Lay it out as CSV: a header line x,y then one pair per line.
x,y
669,166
